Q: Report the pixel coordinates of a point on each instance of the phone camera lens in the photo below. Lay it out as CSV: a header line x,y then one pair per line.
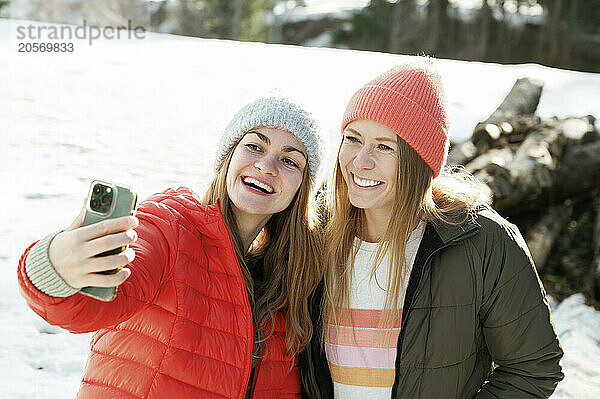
x,y
97,189
106,199
94,204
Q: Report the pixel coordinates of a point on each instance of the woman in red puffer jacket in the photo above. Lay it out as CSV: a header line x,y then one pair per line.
x,y
213,299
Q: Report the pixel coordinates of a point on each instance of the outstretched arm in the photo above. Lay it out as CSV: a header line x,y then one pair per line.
x,y
75,312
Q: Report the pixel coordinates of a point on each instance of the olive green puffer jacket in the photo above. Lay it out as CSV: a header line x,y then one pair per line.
x,y
476,322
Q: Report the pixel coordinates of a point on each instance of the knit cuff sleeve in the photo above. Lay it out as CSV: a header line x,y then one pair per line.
x,y
42,274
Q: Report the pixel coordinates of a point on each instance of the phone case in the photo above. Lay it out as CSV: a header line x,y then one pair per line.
x,y
123,203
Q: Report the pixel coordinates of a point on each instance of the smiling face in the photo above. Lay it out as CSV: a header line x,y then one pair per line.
x,y
265,172
368,159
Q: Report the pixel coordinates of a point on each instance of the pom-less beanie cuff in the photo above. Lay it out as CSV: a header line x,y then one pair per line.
x,y
275,112
409,100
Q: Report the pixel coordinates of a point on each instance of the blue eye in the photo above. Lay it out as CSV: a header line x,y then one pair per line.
x,y
351,139
385,148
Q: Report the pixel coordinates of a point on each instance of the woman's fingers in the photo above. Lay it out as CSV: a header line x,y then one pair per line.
x,y
106,280
111,262
109,242
72,252
108,226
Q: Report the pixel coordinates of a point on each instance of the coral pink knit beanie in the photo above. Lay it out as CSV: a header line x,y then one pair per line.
x,y
408,99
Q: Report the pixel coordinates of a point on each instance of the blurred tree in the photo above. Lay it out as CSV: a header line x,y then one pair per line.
x,y
403,28
235,19
371,27
437,21
94,12
561,33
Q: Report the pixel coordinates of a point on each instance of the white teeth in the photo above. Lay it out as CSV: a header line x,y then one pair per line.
x,y
364,182
259,184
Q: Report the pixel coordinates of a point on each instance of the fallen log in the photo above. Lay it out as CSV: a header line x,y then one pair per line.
x,y
592,283
511,131
529,174
580,130
498,156
518,107
559,160
522,99
541,237
462,153
595,267
513,117
579,171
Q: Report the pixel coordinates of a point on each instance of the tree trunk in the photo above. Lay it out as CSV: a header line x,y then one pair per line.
x,y
437,18
405,27
484,33
236,26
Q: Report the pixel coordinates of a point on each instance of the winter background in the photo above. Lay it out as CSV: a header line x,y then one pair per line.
x,y
148,113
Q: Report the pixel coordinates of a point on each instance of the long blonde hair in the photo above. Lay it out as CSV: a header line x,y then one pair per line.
x,y
289,249
450,198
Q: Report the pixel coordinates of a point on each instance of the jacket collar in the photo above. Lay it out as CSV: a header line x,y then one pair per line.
x,y
449,232
207,219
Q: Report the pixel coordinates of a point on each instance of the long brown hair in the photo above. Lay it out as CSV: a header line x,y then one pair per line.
x,y
289,250
450,198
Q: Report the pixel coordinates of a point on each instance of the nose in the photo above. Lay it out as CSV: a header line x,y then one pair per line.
x,y
267,164
364,158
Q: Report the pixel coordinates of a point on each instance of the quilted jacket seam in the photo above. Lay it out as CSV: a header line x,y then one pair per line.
x,y
443,306
109,386
518,317
121,358
526,266
178,307
173,347
440,367
138,333
183,318
529,354
195,259
157,371
208,296
193,386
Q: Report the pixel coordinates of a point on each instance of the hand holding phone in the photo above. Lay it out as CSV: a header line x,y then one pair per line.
x,y
92,252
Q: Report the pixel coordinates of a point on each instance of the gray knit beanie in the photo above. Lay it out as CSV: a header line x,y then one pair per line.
x,y
275,112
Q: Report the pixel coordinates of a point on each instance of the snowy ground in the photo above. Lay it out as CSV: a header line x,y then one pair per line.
x,y
149,113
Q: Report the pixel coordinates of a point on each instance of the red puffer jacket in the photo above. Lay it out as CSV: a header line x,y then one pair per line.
x,y
180,326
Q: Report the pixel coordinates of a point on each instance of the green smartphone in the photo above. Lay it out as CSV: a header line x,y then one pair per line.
x,y
107,200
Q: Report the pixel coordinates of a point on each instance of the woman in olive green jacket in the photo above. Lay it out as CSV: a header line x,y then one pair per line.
x,y
429,293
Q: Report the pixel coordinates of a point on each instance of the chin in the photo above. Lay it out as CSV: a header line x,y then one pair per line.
x,y
252,209
357,203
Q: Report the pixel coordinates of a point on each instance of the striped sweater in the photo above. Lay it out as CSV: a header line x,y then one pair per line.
x,y
361,355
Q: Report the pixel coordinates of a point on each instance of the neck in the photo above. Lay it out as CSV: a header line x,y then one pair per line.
x,y
376,224
249,226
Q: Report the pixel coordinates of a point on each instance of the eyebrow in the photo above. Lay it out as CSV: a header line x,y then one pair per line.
x,y
349,129
287,148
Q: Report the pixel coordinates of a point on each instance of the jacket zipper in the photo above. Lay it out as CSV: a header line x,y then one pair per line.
x,y
405,316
